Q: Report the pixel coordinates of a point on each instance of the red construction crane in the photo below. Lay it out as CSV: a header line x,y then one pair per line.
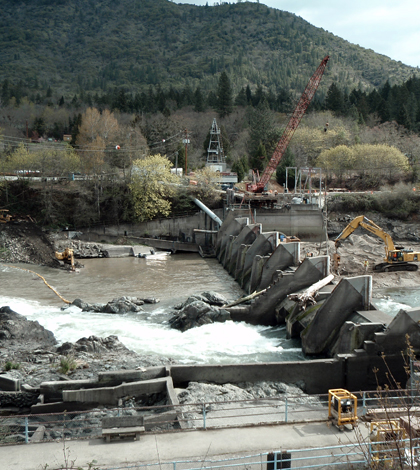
x,y
294,121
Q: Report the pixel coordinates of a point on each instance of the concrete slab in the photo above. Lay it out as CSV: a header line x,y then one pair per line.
x,y
169,447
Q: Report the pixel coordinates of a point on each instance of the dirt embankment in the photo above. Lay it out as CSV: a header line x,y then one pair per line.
x,y
25,242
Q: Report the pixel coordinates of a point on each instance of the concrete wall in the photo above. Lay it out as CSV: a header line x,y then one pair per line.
x,y
111,395
303,221
318,375
351,294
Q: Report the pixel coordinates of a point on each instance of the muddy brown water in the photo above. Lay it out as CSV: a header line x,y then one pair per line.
x,y
171,280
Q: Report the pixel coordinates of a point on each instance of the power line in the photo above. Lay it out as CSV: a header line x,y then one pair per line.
x,y
63,146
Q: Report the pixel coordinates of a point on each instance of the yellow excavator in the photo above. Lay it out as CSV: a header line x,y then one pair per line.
x,y
4,216
67,256
397,258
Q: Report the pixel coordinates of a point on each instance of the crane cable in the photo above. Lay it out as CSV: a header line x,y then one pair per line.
x,y
45,282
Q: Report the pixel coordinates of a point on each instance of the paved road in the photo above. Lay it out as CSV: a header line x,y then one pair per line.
x,y
168,447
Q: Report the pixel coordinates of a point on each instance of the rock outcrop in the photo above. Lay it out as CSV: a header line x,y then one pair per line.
x,y
120,305
16,330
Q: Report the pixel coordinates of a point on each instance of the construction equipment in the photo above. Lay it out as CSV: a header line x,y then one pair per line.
x,y
342,408
397,258
4,216
387,443
67,256
302,106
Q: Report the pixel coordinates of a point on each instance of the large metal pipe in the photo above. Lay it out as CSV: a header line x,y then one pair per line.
x,y
211,214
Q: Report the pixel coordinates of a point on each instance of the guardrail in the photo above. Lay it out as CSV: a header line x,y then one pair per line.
x,y
17,429
345,456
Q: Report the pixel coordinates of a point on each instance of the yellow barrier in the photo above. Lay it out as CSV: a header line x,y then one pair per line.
x,y
45,282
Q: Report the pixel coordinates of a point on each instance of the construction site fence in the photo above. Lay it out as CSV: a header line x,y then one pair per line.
x,y
18,429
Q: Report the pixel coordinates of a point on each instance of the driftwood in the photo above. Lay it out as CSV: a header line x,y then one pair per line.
x,y
307,297
244,299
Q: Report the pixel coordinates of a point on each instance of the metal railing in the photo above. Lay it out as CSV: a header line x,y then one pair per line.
x,y
17,429
345,456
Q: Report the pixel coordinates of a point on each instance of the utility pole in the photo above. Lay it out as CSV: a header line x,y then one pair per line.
x,y
186,141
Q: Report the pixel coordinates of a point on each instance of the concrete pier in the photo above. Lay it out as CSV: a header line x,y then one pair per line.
x,y
350,294
284,256
264,244
264,310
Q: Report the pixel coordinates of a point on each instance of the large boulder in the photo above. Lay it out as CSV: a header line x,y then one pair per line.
x,y
93,344
197,313
16,330
120,305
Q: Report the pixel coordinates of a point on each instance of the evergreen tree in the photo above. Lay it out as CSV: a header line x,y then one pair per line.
x,y
383,111
238,168
241,99
262,129
212,99
288,160
403,118
224,96
187,96
334,101
259,158
199,103
248,94
385,90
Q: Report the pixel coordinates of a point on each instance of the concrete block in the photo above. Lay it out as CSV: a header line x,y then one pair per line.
x,y
247,236
264,244
263,310
9,384
232,225
111,395
118,251
284,255
349,295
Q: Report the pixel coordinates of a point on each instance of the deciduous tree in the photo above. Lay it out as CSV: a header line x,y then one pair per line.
x,y
96,132
151,187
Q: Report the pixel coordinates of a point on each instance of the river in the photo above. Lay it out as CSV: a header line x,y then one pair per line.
x,y
172,281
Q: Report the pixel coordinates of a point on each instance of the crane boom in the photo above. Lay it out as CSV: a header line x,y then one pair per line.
x,y
292,125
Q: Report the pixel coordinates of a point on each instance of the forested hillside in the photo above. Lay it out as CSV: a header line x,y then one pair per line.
x,y
67,46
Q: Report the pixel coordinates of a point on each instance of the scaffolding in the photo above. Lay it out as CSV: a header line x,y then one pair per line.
x,y
215,154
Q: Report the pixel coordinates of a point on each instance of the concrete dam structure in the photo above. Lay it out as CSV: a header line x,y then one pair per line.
x,y
341,324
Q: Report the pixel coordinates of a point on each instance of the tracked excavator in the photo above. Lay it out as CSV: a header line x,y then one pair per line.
x,y
67,256
397,258
4,216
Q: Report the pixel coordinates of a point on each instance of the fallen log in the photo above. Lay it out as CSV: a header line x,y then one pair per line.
x,y
245,299
308,296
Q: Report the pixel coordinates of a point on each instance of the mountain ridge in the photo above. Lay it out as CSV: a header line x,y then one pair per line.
x,y
93,46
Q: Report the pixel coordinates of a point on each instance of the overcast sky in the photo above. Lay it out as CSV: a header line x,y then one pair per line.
x,y
388,27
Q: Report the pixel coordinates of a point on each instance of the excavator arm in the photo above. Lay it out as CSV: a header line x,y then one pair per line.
x,y
67,256
370,226
397,258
